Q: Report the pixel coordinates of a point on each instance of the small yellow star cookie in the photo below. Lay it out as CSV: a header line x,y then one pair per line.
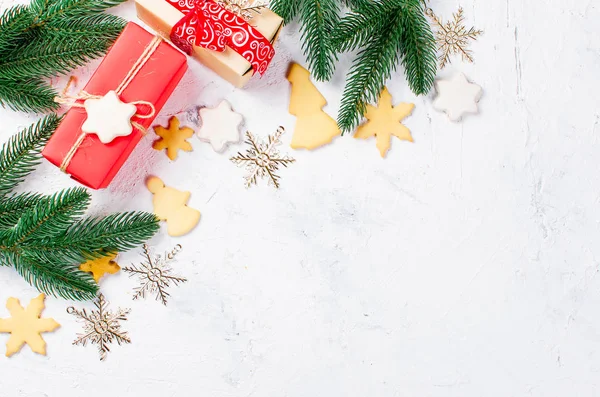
x,y
384,121
25,326
101,266
173,138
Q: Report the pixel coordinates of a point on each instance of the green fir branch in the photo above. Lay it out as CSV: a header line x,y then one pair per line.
x,y
95,237
21,153
47,10
13,207
50,217
318,18
49,38
360,26
372,67
64,280
355,4
49,58
418,48
100,27
286,9
13,23
27,95
112,233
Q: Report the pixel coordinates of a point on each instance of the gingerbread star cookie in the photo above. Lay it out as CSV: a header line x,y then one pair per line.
x,y
220,126
384,121
173,138
101,266
25,326
456,96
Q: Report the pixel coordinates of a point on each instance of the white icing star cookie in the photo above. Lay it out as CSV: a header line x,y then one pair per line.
x,y
108,117
456,96
220,126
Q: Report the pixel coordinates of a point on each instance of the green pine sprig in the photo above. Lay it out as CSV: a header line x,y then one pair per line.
x,y
49,38
45,238
28,95
372,67
21,153
57,56
317,19
388,32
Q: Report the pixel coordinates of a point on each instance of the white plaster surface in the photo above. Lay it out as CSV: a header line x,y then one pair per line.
x,y
462,265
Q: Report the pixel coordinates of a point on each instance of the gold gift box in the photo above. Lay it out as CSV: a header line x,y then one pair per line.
x,y
162,16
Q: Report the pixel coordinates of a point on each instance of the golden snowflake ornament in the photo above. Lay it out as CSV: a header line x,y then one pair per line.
x,y
262,159
101,327
155,275
453,37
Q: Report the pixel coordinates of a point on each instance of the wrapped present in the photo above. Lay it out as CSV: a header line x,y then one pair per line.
x,y
222,34
110,116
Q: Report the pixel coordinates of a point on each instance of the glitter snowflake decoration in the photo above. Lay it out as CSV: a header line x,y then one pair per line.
x,y
155,275
244,8
262,159
101,327
453,37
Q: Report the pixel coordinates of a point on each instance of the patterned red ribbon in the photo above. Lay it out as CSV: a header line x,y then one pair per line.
x,y
207,24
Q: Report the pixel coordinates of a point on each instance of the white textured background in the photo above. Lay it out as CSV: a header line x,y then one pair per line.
x,y
464,264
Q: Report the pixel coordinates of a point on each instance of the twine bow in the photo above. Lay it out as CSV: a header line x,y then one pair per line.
x,y
77,100
209,25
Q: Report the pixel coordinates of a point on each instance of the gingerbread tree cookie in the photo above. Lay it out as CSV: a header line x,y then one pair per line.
x,y
170,205
25,326
384,121
101,266
173,138
314,127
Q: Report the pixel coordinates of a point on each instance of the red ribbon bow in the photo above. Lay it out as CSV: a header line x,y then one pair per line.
x,y
209,25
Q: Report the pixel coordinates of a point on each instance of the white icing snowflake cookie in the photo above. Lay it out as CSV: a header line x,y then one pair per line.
x,y
456,96
108,117
220,126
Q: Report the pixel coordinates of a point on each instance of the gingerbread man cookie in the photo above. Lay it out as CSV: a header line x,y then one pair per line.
x,y
170,205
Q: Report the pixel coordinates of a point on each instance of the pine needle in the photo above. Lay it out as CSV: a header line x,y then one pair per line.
x,y
21,153
46,39
30,95
64,280
286,9
13,207
50,216
318,18
56,56
372,67
418,48
360,26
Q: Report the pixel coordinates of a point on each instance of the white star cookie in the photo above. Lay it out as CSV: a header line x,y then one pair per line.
x,y
220,126
108,117
456,96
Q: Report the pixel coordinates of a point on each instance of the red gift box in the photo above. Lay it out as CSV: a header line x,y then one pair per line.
x,y
94,163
